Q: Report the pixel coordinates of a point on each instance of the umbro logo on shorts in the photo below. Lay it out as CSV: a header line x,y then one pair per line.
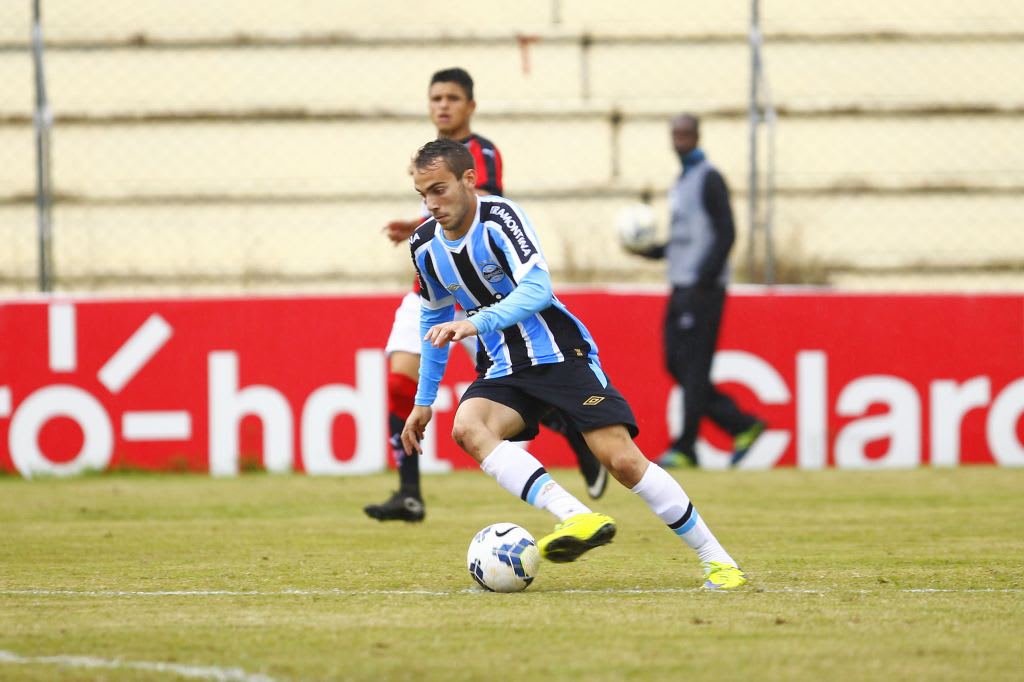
x,y
593,400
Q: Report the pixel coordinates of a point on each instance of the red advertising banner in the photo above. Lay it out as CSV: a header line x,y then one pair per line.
x,y
299,384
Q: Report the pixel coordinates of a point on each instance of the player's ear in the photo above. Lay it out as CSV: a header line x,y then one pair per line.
x,y
469,178
471,108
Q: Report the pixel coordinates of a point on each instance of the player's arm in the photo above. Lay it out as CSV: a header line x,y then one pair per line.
x,y
487,161
656,252
433,361
399,231
532,294
433,357
716,201
437,306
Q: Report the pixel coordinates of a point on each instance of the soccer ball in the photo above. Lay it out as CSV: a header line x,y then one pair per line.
x,y
503,557
637,227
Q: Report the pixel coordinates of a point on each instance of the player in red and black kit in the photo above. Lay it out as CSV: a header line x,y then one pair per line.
x,y
451,108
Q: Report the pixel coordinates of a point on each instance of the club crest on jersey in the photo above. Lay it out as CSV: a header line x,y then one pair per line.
x,y
492,272
453,287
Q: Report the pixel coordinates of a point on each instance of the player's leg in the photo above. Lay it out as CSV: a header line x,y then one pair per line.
x,y
689,349
744,428
402,380
403,371
589,400
719,407
524,395
595,475
667,499
482,428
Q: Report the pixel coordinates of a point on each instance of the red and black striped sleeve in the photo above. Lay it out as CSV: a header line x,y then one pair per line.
x,y
487,160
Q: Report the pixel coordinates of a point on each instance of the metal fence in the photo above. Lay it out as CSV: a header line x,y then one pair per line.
x,y
261,145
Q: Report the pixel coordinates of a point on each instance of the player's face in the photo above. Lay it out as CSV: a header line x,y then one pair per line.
x,y
450,200
684,136
450,110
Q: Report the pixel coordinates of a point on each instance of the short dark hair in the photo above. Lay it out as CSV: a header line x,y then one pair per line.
x,y
453,154
692,119
455,75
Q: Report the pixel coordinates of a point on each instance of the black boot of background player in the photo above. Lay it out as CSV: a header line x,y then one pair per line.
x,y
398,507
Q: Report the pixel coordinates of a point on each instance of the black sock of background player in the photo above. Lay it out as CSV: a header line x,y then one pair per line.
x,y
408,466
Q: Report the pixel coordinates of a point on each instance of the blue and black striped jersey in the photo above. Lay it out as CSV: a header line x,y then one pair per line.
x,y
480,270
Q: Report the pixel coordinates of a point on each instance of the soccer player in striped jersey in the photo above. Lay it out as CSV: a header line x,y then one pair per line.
x,y
451,108
483,253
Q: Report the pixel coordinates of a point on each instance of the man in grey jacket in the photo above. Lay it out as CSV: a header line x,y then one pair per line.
x,y
700,238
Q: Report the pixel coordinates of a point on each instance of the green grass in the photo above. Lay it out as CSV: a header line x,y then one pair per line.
x,y
833,557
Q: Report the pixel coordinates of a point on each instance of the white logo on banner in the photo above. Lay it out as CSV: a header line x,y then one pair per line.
x,y
228,404
86,411
948,403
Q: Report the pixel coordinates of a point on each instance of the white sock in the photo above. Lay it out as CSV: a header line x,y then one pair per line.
x,y
668,500
519,472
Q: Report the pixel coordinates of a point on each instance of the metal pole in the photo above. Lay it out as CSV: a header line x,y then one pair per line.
x,y
585,42
753,118
615,122
769,209
42,120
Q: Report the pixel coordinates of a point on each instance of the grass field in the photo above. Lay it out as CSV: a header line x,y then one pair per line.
x,y
913,575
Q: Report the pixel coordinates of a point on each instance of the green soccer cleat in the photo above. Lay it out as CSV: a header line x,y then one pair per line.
x,y
676,459
719,576
576,535
742,443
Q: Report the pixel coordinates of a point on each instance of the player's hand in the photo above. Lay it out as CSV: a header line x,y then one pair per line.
x,y
412,433
441,335
399,231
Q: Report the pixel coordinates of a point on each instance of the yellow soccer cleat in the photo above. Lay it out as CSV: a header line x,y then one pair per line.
x,y
719,576
576,535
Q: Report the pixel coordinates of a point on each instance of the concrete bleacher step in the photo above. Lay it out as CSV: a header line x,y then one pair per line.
x,y
113,18
628,77
217,245
339,116
316,159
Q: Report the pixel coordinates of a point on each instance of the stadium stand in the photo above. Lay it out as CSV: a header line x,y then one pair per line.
x,y
237,145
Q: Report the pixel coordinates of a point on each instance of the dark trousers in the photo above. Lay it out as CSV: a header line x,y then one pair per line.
x,y
691,335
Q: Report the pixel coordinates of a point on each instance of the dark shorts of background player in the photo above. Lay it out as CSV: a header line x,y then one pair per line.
x,y
571,386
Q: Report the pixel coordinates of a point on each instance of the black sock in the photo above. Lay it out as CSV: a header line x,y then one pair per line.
x,y
408,466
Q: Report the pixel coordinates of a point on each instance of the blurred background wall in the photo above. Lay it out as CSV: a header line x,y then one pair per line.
x,y
250,145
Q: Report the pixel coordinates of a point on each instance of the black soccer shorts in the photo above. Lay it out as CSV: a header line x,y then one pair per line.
x,y
582,392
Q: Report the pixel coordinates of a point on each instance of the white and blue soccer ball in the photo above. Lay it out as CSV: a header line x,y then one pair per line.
x,y
637,227
503,557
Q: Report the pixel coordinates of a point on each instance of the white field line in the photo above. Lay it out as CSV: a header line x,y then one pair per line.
x,y
191,671
468,590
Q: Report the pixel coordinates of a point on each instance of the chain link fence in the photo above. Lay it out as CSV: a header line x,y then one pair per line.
x,y
248,146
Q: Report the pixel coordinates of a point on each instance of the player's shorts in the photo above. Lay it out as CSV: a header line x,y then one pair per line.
x,y
405,330
585,397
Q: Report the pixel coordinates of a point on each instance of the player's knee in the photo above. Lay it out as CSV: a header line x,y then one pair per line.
x,y
626,465
467,432
619,454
